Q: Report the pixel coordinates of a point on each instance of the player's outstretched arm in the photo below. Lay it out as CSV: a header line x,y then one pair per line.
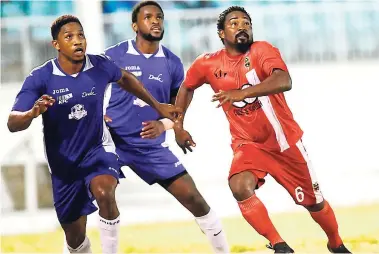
x,y
131,84
19,121
183,100
195,78
279,81
183,138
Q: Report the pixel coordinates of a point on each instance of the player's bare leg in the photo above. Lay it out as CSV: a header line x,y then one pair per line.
x,y
76,240
103,188
253,210
184,190
323,215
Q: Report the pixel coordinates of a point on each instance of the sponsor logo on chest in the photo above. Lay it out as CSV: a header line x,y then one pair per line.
x,y
134,69
62,90
90,93
156,78
64,98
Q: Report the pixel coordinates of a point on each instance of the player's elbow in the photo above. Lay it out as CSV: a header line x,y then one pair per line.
x,y
285,81
287,85
11,126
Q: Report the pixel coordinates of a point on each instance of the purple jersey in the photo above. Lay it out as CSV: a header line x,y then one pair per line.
x,y
162,74
74,128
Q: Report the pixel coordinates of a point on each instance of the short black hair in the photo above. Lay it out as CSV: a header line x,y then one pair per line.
x,y
222,16
61,21
138,6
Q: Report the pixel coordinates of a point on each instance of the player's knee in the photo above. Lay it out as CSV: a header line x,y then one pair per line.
x,y
104,195
242,192
195,203
196,198
103,188
242,185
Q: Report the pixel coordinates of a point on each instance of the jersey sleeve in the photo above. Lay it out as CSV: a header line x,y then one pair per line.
x,y
196,74
269,58
110,53
114,72
177,77
31,90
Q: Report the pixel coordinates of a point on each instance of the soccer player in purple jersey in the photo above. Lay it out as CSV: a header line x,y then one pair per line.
x,y
68,92
138,131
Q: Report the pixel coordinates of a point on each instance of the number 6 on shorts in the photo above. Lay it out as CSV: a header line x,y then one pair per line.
x,y
299,194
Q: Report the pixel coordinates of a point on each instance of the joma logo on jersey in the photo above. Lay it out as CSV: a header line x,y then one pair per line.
x,y
134,69
63,90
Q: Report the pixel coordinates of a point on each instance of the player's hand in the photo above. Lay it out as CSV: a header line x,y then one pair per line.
x,y
41,105
228,96
107,119
184,140
152,129
169,111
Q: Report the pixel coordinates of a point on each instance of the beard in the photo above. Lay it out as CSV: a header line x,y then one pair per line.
x,y
151,38
244,46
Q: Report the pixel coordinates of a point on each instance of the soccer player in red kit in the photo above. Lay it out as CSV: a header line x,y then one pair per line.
x,y
249,79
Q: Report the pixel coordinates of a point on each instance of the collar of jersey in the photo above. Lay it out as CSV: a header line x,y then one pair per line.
x,y
157,53
237,57
84,67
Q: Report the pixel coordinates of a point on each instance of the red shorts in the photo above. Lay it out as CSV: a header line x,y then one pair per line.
x,y
291,168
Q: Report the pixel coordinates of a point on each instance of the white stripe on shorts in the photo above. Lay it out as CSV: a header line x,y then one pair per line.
x,y
316,191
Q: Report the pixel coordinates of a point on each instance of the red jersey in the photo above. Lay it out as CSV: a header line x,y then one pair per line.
x,y
266,121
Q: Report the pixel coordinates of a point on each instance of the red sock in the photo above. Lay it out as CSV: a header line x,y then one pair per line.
x,y
327,221
254,212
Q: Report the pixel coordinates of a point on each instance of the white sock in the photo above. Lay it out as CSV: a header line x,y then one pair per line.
x,y
85,247
211,226
109,234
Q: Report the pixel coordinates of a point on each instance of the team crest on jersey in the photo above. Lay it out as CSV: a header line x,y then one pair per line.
x,y
247,62
77,112
64,98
